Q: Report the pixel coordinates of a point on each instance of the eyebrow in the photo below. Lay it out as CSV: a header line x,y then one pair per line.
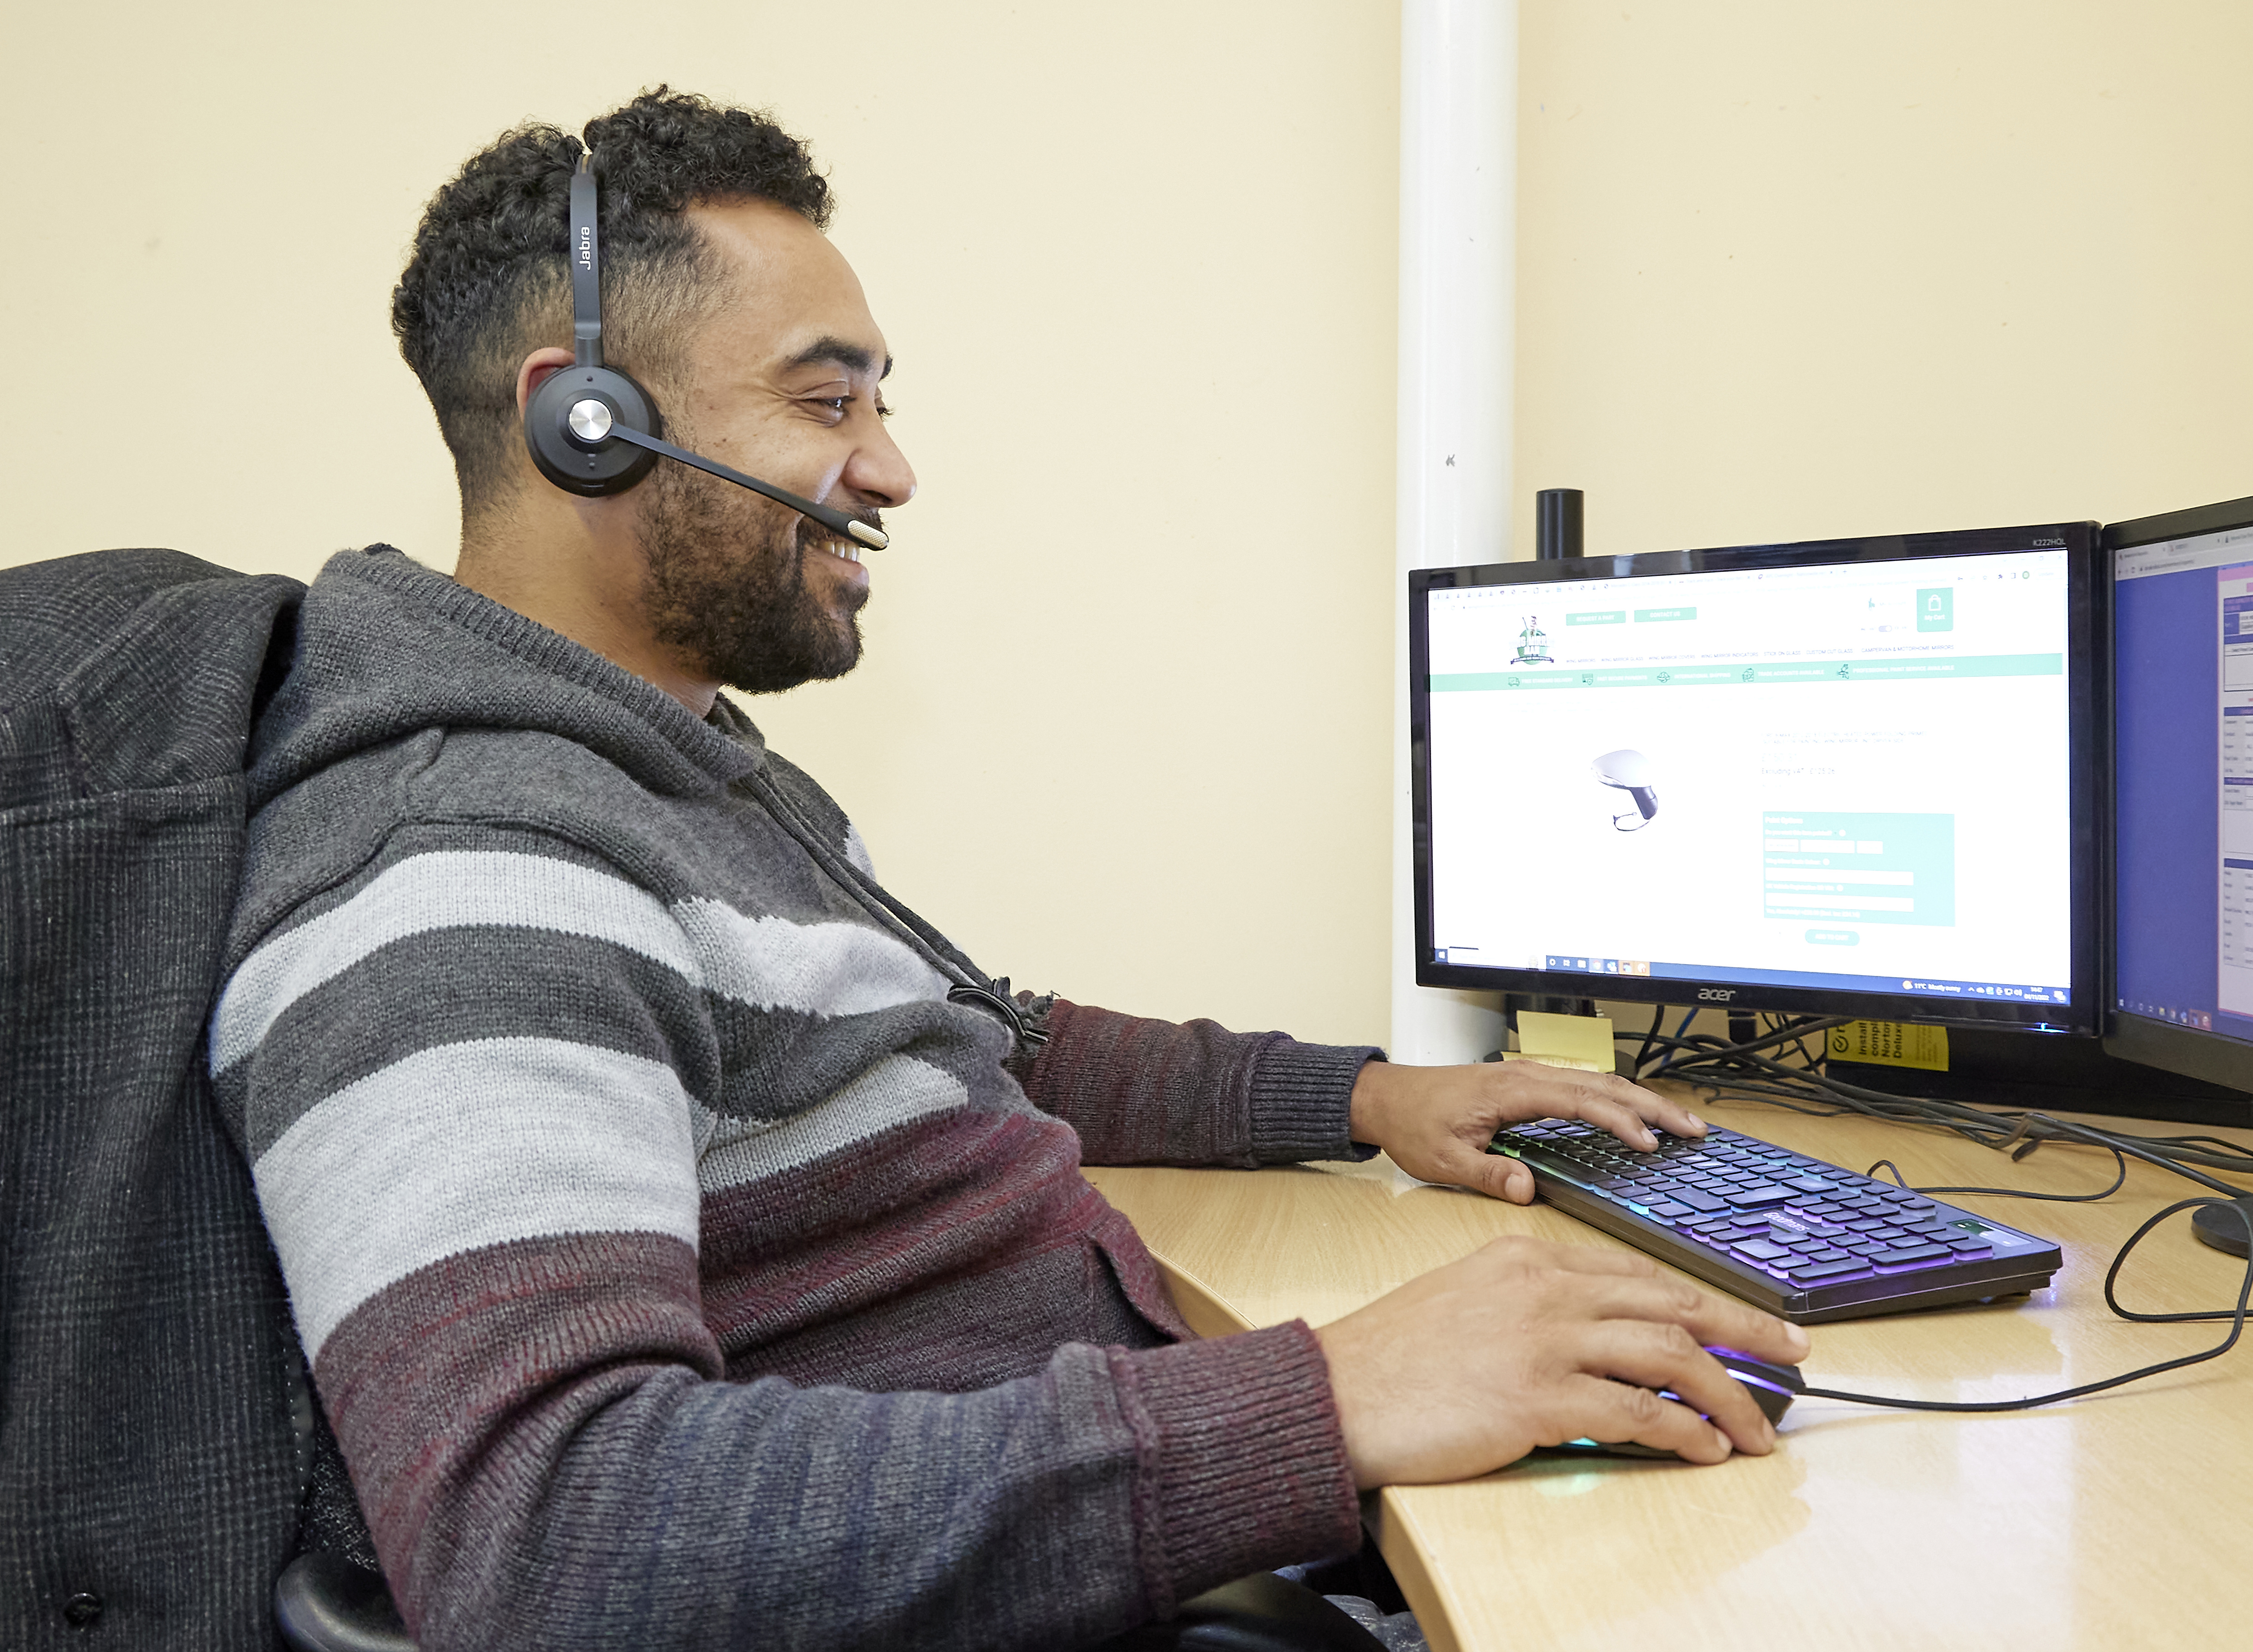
x,y
843,352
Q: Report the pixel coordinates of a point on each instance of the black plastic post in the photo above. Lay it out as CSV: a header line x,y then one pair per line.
x,y
1557,519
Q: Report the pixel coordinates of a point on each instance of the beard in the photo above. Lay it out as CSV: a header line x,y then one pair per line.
x,y
726,587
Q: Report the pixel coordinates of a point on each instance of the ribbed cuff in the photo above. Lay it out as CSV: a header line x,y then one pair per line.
x,y
1244,1466
1302,1101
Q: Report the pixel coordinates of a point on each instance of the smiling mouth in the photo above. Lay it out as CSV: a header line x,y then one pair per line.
x,y
829,544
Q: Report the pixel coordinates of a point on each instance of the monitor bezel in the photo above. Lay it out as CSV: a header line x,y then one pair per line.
x,y
2218,1058
2089,781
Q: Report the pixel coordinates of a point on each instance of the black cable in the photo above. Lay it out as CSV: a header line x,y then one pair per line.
x,y
1657,1020
1740,1070
2236,1317
2118,1182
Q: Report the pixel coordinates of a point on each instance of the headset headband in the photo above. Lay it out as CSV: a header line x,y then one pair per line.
x,y
586,267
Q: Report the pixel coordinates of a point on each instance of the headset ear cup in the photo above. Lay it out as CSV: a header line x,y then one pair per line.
x,y
591,470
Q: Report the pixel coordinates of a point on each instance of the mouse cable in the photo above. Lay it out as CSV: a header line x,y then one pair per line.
x,y
1758,1078
2236,1317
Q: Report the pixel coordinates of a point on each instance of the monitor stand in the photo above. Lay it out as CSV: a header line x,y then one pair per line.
x,y
2224,1226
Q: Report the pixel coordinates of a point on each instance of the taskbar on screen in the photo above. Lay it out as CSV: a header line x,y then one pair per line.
x,y
2198,1019
1581,963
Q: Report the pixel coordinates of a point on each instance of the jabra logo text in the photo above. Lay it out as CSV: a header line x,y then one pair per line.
x,y
586,248
1716,994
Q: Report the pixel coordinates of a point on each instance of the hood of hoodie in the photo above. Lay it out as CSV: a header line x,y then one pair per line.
x,y
385,648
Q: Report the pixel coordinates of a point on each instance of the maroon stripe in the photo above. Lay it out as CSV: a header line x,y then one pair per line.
x,y
475,1370
769,1279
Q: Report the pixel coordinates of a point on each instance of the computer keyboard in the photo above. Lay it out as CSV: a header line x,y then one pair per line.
x,y
1805,1240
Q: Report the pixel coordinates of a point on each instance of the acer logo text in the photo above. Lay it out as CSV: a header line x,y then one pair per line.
x,y
1716,994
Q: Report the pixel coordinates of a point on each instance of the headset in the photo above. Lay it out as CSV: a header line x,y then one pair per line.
x,y
594,431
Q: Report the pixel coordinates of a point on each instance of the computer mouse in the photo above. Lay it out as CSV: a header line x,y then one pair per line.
x,y
1771,1387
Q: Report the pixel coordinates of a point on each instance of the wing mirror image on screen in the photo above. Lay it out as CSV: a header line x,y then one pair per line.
x,y
1630,771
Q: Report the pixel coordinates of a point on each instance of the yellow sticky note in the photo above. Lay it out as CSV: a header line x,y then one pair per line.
x,y
1891,1044
1582,1041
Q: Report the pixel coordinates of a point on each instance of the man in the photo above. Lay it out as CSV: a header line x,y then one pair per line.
x,y
688,1243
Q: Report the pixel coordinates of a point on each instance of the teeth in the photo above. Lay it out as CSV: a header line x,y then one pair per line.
x,y
846,548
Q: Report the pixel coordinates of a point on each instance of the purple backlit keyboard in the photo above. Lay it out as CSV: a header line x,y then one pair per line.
x,y
1807,1240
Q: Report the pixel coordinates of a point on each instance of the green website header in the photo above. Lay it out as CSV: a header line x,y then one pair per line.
x,y
1796,670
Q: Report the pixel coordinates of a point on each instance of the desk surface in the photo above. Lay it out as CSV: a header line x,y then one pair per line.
x,y
2116,1521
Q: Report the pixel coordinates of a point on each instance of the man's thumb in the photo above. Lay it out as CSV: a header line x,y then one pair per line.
x,y
1497,1175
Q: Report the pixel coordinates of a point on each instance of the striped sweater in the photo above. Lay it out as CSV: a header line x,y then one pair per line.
x,y
676,1265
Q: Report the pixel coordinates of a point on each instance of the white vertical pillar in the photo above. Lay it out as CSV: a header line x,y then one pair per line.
x,y
1458,292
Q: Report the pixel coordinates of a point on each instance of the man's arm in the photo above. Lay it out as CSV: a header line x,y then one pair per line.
x,y
1143,1091
470,1084
1473,1365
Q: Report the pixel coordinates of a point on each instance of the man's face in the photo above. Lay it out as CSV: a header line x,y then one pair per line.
x,y
785,385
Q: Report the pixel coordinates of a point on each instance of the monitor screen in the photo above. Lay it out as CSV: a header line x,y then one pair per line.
x,y
2182,621
1848,776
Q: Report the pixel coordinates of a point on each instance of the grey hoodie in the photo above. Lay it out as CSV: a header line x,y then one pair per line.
x,y
677,1264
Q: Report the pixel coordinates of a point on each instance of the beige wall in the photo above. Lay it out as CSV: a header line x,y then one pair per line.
x,y
1791,270
1785,270
1122,730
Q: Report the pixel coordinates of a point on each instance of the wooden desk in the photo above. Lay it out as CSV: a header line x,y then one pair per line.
x,y
2115,1521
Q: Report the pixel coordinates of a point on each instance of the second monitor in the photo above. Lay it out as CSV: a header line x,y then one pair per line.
x,y
1850,776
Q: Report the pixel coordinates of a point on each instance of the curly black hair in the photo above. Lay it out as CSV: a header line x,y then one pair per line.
x,y
488,282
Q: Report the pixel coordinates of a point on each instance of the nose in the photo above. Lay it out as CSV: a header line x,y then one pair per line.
x,y
878,472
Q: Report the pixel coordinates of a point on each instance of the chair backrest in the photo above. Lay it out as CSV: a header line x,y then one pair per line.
x,y
150,1466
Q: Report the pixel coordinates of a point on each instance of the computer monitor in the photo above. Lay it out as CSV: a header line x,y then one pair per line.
x,y
1853,777
2182,859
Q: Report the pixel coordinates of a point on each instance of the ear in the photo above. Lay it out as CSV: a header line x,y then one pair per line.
x,y
534,371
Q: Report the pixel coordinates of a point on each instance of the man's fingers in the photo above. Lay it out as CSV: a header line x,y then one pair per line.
x,y
1715,1321
1611,1412
1629,1111
1666,1356
1610,1113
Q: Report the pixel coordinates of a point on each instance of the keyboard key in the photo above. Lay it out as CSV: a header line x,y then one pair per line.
x,y
1762,1250
1759,1196
1970,1247
1810,1271
1910,1256
1809,1184
1668,1208
1698,1201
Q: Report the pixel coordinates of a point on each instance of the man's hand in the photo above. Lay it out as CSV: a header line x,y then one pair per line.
x,y
1527,1343
1435,1122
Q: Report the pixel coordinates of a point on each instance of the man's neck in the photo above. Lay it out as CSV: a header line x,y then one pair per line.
x,y
587,592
